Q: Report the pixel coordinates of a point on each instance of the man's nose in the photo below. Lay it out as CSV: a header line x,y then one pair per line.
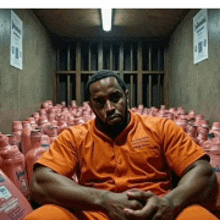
x,y
109,106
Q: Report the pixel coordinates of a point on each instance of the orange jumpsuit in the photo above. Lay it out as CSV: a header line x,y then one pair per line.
x,y
140,157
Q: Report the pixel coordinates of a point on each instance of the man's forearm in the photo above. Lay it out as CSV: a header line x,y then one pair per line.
x,y
50,187
197,186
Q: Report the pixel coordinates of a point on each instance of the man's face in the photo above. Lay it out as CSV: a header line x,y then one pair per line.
x,y
108,101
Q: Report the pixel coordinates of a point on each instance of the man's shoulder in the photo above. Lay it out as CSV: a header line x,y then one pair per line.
x,y
156,124
81,130
148,119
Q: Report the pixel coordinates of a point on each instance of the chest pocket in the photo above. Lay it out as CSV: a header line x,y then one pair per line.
x,y
147,159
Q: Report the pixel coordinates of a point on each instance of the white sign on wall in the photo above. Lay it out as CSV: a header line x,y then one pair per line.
x,y
200,36
16,41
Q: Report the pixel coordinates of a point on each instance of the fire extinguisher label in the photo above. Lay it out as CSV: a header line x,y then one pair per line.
x,y
20,174
21,178
4,193
11,209
2,179
45,145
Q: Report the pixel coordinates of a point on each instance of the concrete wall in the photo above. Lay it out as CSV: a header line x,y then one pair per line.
x,y
23,91
195,86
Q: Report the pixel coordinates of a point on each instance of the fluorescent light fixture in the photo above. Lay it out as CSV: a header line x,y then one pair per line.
x,y
106,19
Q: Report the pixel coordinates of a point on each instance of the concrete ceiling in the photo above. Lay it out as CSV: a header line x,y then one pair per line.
x,y
127,23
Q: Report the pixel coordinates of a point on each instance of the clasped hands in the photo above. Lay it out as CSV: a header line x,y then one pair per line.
x,y
138,205
154,207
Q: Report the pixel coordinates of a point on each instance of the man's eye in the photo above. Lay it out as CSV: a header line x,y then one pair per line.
x,y
100,102
115,98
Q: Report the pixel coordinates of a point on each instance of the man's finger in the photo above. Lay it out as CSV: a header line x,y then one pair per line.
x,y
139,195
148,211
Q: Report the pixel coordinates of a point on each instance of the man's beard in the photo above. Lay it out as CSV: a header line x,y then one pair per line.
x,y
114,129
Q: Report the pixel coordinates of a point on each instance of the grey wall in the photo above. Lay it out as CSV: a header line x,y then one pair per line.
x,y
23,91
195,86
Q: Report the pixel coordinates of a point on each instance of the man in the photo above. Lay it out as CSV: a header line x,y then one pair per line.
x,y
123,162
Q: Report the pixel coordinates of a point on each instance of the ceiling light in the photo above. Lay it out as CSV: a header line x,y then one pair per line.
x,y
106,19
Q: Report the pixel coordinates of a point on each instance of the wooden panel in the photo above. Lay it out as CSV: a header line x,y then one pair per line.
x,y
121,60
100,56
68,90
131,79
111,57
58,59
166,80
68,58
150,91
116,56
94,56
65,72
68,77
62,59
131,57
150,77
132,91
166,89
78,75
159,78
90,57
73,57
136,79
57,77
139,76
57,88
153,72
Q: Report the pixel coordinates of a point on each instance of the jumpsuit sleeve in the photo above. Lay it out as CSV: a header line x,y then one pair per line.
x,y
179,149
62,155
